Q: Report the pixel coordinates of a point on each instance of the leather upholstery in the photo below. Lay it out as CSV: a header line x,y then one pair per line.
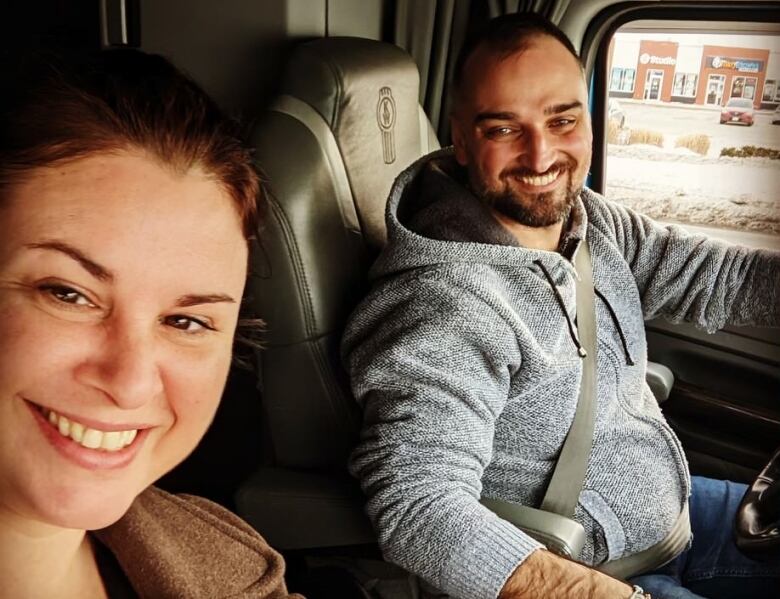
x,y
347,122
344,80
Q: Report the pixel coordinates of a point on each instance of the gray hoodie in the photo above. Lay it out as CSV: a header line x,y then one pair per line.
x,y
464,359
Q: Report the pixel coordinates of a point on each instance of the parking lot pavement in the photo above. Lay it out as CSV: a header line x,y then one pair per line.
x,y
674,121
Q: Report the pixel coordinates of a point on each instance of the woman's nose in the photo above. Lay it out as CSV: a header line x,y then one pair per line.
x,y
124,366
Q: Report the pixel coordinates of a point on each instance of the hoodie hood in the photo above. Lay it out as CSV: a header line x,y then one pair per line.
x,y
433,218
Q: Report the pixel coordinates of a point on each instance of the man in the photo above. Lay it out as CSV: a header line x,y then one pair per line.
x,y
465,355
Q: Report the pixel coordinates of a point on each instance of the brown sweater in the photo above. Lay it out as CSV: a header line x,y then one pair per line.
x,y
175,546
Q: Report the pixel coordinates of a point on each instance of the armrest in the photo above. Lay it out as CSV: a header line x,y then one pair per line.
x,y
660,379
302,510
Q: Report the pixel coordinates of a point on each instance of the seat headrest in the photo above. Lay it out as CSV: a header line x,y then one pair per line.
x,y
368,94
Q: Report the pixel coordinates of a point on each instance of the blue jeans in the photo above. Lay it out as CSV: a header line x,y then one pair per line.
x,y
713,567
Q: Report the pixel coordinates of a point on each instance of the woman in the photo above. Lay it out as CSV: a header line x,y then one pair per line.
x,y
126,209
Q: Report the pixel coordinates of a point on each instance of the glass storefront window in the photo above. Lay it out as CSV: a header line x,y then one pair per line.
x,y
690,85
744,87
737,87
770,87
628,80
750,88
685,84
622,80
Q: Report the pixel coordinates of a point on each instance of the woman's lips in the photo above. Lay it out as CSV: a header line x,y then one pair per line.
x,y
89,446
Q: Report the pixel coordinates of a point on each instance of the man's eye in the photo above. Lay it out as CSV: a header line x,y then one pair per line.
x,y
187,324
498,132
67,295
561,123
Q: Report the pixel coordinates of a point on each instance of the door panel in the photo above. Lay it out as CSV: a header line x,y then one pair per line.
x,y
725,403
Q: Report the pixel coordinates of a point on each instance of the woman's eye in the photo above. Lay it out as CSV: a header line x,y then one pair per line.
x,y
187,324
67,295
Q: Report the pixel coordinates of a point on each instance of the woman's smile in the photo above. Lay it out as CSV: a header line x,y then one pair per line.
x,y
91,446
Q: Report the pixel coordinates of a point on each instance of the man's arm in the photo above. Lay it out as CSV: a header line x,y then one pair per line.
x,y
543,575
693,278
431,364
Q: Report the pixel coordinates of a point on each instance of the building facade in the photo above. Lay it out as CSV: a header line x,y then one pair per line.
x,y
683,68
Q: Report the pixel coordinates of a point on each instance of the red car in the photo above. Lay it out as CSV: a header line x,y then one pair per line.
x,y
737,110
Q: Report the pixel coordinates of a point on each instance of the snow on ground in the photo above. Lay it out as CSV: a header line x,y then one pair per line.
x,y
679,185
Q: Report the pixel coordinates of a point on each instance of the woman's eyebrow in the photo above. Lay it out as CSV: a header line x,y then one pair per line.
x,y
211,298
92,267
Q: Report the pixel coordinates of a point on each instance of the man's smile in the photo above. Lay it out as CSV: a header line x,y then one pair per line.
x,y
540,180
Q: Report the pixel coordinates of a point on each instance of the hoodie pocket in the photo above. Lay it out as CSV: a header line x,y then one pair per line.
x,y
598,509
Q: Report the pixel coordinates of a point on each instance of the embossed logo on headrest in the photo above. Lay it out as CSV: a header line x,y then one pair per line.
x,y
385,116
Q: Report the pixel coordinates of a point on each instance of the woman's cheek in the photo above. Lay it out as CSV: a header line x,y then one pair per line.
x,y
194,385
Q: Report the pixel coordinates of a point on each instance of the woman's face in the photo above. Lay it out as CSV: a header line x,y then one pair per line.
x,y
120,284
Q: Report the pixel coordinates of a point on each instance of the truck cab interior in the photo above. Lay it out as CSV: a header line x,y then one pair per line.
x,y
338,97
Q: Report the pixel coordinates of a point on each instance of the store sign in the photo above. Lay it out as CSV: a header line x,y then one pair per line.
x,y
662,60
735,64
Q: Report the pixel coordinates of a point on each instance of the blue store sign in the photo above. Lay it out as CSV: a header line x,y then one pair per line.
x,y
737,64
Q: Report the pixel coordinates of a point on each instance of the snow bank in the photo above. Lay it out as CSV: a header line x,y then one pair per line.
x,y
681,186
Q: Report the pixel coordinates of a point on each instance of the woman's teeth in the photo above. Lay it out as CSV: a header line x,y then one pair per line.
x,y
541,180
89,437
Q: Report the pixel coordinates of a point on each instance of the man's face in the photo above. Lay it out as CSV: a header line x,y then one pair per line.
x,y
522,130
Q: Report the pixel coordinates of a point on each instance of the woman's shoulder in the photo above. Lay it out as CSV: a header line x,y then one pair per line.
x,y
182,545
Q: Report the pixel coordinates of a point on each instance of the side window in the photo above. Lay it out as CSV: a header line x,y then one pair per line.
x,y
693,128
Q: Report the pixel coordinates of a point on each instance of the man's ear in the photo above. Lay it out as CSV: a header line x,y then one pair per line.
x,y
458,140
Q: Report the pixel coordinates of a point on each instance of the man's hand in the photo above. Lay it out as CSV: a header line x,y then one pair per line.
x,y
544,575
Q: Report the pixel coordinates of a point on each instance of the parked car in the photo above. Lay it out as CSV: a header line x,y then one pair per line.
x,y
615,113
776,116
737,110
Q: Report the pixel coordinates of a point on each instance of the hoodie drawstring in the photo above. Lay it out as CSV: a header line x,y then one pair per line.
x,y
562,306
570,324
629,359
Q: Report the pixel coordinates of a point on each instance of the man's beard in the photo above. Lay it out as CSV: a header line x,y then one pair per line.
x,y
530,209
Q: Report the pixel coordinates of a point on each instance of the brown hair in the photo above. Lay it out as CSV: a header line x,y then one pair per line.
x,y
63,108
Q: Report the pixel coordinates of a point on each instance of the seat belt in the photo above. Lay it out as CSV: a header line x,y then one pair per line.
x,y
552,524
565,486
656,555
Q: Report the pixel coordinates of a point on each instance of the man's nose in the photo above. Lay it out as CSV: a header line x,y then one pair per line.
x,y
539,152
124,366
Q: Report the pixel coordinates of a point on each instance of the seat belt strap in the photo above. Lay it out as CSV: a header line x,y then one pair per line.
x,y
565,486
657,555
553,523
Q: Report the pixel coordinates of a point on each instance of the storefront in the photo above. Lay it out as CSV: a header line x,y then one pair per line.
x,y
683,71
732,73
655,70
